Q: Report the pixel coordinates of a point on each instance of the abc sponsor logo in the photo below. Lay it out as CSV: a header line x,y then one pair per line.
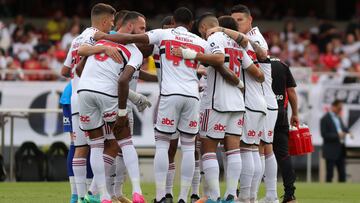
x,y
168,122
219,128
240,122
84,119
270,133
251,133
193,124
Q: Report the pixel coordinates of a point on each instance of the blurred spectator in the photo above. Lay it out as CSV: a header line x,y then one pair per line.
x,y
289,31
326,32
3,64
18,23
329,59
69,36
56,27
23,49
5,37
352,48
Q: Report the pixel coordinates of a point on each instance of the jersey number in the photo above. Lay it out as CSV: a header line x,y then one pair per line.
x,y
169,44
103,56
235,57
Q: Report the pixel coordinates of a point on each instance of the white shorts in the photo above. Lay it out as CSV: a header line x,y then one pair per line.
x,y
216,125
80,137
253,127
269,126
96,109
178,113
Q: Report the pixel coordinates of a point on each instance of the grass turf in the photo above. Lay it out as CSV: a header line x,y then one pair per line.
x,y
58,192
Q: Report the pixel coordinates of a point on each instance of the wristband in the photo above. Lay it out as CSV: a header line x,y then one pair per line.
x,y
122,112
240,84
188,53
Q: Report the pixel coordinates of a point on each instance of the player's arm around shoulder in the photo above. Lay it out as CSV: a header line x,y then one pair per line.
x,y
252,69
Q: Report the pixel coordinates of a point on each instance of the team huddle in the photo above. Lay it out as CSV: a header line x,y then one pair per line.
x,y
216,92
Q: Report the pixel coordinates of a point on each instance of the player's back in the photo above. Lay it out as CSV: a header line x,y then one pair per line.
x,y
101,73
255,35
178,75
73,59
218,89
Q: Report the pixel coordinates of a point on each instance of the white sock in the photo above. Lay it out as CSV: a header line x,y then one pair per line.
x,y
211,170
131,161
110,168
262,159
120,175
205,187
88,183
247,173
195,185
255,183
72,185
187,165
270,177
79,168
98,166
233,171
161,163
170,178
92,188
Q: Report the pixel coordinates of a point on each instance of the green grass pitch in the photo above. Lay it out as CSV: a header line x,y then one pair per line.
x,y
59,192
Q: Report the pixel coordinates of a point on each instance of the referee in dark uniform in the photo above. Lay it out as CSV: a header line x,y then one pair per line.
x,y
283,85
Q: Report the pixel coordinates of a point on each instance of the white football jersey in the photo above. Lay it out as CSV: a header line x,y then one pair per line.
x,y
220,95
101,73
72,60
255,35
156,56
178,76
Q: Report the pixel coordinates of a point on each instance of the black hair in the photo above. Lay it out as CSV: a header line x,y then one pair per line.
x,y
120,15
166,21
336,102
240,8
183,15
228,22
102,8
195,28
132,15
205,15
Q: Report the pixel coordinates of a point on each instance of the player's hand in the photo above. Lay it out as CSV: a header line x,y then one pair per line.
x,y
244,41
201,70
113,53
121,128
294,120
176,51
212,31
142,103
99,35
